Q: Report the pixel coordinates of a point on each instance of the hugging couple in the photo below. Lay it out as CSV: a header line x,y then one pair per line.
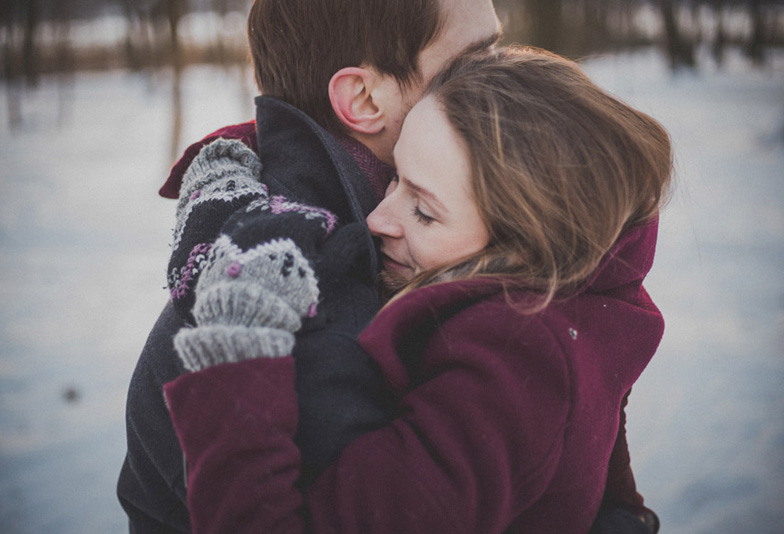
x,y
408,296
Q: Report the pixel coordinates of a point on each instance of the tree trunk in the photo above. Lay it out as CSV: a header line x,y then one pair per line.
x,y
174,10
757,44
10,64
594,24
679,51
546,23
30,59
720,41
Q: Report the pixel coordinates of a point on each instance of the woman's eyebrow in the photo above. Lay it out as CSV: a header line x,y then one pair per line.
x,y
429,195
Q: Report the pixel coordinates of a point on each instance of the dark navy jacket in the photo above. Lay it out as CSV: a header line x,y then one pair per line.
x,y
340,392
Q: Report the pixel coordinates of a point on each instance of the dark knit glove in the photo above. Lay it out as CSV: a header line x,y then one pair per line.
x,y
277,217
249,303
222,180
242,267
343,252
221,195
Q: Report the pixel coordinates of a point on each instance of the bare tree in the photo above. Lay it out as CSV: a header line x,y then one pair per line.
x,y
31,17
61,14
757,43
594,24
133,20
680,51
174,12
720,39
10,65
221,7
546,23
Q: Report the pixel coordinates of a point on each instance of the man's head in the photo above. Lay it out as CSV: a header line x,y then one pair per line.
x,y
358,66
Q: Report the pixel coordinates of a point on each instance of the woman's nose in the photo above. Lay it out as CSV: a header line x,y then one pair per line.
x,y
382,222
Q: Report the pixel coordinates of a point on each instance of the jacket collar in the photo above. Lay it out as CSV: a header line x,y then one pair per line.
x,y
304,162
629,260
621,272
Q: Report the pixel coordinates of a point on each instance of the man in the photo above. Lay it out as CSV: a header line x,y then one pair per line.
x,y
356,67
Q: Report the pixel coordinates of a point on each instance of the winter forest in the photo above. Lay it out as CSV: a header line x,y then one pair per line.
x,y
48,37
99,97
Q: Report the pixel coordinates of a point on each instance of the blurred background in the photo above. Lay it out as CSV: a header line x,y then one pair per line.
x,y
98,98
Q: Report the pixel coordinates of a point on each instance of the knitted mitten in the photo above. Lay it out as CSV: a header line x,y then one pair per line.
x,y
248,304
221,195
221,180
216,164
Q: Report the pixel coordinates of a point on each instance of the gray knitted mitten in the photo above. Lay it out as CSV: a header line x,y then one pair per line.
x,y
248,304
220,182
225,168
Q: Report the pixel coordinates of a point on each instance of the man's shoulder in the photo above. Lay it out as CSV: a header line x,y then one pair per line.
x,y
158,362
245,132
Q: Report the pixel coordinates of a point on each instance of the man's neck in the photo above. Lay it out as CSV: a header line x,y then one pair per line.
x,y
378,173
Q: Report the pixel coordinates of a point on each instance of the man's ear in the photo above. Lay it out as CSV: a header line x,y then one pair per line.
x,y
351,94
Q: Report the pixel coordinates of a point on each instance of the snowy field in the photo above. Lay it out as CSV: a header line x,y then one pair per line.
x,y
84,243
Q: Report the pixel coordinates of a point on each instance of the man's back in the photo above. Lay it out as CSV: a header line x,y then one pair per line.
x,y
151,487
339,389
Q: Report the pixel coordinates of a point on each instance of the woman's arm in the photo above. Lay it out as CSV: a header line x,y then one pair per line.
x,y
227,418
467,452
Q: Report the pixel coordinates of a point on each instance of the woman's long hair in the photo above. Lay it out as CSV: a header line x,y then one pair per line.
x,y
559,168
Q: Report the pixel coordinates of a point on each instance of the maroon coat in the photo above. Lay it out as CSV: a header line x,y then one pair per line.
x,y
505,423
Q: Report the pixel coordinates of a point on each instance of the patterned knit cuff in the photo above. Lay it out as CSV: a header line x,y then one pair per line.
x,y
221,159
206,346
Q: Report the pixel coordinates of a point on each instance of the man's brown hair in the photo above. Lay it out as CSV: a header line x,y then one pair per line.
x,y
298,45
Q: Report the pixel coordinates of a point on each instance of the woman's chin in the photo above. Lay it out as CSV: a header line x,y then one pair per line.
x,y
392,281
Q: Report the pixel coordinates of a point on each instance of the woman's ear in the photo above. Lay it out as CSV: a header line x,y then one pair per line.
x,y
351,94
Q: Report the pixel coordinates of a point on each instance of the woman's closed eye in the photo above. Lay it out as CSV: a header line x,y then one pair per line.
x,y
422,217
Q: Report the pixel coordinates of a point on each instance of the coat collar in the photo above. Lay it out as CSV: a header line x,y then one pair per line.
x,y
304,162
300,160
628,261
623,267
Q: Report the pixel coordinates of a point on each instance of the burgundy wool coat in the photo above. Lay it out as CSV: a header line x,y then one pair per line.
x,y
504,422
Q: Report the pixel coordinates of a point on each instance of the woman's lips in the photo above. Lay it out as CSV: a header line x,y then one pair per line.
x,y
393,265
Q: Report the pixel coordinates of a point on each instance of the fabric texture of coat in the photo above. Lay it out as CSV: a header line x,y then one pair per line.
x,y
503,422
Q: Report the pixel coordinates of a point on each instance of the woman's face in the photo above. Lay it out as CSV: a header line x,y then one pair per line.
x,y
428,218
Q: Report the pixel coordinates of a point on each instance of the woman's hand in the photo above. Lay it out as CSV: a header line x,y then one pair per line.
x,y
248,304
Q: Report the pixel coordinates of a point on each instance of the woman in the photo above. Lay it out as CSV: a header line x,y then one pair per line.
x,y
517,236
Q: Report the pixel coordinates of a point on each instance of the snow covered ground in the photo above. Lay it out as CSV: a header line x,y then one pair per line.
x,y
707,417
84,242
